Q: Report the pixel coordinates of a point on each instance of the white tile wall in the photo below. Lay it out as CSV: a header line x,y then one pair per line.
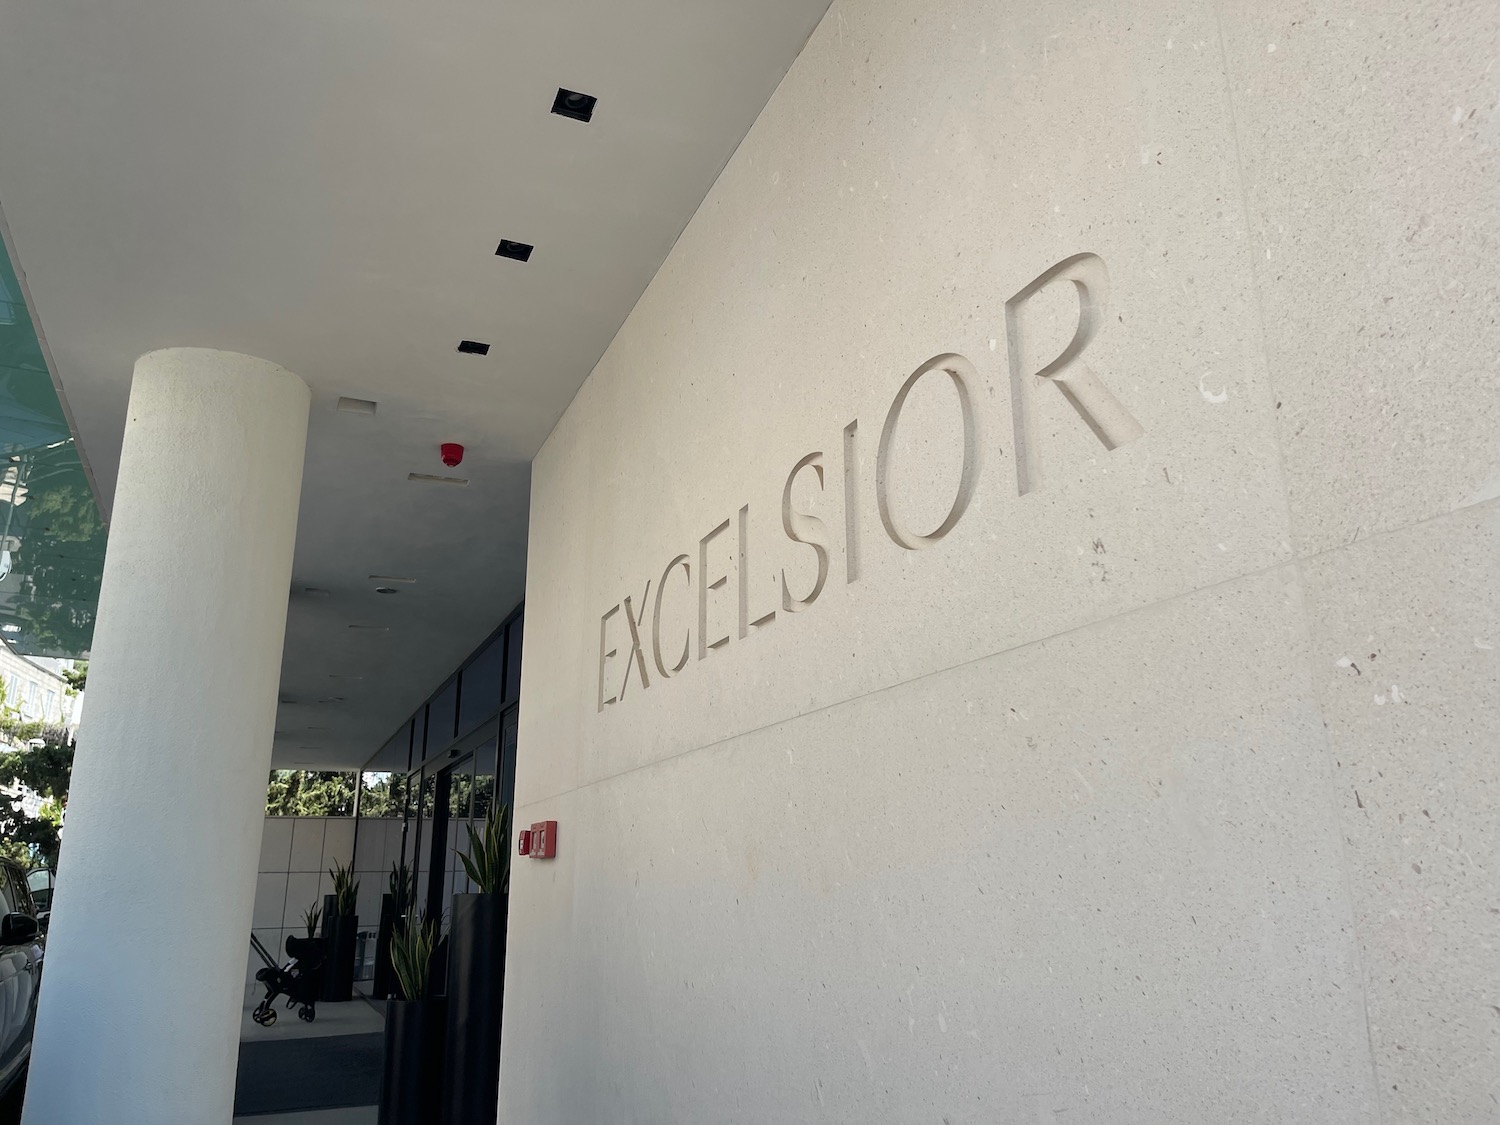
x,y
295,855
338,841
276,844
307,844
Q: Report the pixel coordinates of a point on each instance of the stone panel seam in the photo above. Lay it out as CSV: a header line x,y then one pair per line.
x,y
1288,564
1256,286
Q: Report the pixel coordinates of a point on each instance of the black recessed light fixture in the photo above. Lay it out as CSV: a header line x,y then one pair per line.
x,y
386,590
519,251
473,347
570,103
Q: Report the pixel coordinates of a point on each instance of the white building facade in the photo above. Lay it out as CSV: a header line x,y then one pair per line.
x,y
37,693
1005,499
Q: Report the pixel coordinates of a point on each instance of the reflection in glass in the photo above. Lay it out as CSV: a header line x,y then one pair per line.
x,y
51,534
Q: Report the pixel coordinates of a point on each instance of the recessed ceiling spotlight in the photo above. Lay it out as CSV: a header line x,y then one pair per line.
x,y
429,478
570,103
473,347
386,590
356,406
520,251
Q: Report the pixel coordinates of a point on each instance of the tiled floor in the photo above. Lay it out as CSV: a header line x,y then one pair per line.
x,y
359,1115
352,1017
348,1018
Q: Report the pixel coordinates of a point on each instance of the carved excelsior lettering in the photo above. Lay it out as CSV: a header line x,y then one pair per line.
x,y
636,657
851,504
661,585
1112,424
705,587
604,656
961,372
744,575
1110,421
801,527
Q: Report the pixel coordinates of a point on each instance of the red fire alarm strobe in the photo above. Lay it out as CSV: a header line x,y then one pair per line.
x,y
544,839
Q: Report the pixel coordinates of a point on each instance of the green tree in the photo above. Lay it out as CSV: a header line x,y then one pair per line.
x,y
310,793
46,771
77,677
382,796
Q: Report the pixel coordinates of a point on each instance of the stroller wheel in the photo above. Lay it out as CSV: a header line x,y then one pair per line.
x,y
306,1013
269,1018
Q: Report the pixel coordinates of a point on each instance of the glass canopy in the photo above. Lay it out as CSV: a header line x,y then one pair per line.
x,y
51,533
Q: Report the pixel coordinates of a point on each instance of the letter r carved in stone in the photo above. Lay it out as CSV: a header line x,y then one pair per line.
x,y
1112,424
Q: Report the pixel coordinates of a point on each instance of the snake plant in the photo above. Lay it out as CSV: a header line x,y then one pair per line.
x,y
412,943
488,861
346,887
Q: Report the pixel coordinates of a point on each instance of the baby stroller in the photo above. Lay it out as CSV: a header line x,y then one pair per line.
x,y
299,979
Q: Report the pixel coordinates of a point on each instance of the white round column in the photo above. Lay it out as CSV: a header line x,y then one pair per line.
x,y
145,966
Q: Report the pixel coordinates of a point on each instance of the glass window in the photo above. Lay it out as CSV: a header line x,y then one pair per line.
x,y
381,796
461,790
419,736
21,894
51,703
7,896
442,716
484,780
480,697
513,661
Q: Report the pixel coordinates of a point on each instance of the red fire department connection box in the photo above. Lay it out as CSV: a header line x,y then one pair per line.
x,y
544,839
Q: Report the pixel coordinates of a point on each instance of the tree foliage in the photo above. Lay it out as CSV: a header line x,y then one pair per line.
x,y
46,771
310,793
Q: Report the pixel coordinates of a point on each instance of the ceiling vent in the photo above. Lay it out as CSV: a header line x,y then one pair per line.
x,y
473,347
356,406
519,251
429,478
372,628
387,578
570,103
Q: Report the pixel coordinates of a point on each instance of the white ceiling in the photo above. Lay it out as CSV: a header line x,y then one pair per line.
x,y
323,183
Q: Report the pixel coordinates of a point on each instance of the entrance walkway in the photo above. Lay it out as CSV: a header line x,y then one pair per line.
x,y
322,1073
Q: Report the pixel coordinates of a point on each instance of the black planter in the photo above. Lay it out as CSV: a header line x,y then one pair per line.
x,y
476,988
384,983
413,1067
340,935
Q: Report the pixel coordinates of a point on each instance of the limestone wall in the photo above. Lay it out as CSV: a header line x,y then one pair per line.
x,y
1122,747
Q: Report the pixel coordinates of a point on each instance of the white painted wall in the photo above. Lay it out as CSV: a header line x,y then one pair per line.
x,y
1161,793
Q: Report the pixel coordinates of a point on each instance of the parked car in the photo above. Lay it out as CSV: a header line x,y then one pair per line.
x,y
40,880
21,951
